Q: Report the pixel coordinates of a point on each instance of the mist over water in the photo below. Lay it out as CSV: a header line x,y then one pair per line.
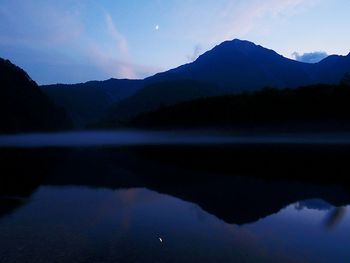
x,y
144,137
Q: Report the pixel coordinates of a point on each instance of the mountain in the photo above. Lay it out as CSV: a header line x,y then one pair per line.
x,y
87,102
23,106
231,67
244,66
332,69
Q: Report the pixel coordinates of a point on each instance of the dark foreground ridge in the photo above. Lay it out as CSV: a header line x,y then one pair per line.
x,y
23,106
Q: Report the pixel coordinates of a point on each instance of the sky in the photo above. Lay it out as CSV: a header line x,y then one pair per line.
x,y
71,41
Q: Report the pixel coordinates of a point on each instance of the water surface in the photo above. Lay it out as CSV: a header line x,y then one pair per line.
x,y
78,224
172,198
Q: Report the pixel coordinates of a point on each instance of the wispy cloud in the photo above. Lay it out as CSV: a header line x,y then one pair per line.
x,y
100,40
115,58
60,33
119,38
113,55
113,65
243,17
39,25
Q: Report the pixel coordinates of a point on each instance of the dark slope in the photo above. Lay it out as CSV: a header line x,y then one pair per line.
x,y
161,94
86,102
23,106
312,106
332,69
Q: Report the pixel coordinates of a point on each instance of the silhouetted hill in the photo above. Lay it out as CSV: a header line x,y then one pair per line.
x,y
87,102
23,106
332,69
241,66
307,106
244,66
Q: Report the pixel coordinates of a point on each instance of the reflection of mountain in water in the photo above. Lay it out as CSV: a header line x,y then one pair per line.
x,y
237,198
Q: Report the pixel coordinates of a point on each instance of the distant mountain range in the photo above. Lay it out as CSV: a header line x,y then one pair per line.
x,y
88,102
231,67
23,106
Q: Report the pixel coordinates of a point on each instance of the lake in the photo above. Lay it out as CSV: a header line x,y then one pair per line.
x,y
169,197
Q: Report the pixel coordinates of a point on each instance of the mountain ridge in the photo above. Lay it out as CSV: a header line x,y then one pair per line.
x,y
233,67
87,102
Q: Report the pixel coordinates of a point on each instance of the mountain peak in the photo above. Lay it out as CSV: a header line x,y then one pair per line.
x,y
241,41
237,43
242,46
237,48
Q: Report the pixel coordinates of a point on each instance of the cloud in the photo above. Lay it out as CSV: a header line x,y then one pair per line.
x,y
112,55
119,39
240,18
42,25
312,57
196,52
85,34
112,64
49,29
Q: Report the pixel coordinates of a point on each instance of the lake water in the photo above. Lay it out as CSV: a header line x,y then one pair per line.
x,y
168,198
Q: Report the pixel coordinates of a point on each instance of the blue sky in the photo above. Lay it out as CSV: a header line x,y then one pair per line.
x,y
71,41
